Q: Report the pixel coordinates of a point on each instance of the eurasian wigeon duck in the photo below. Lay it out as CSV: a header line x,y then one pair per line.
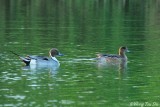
x,y
113,58
41,60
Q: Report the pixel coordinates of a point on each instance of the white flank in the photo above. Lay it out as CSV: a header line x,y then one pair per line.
x,y
33,62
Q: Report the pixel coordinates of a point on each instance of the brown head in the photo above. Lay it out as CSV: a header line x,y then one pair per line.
x,y
122,51
54,51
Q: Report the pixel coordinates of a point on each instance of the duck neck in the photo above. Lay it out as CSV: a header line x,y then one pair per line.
x,y
54,59
122,54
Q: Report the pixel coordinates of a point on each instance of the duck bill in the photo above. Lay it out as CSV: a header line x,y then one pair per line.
x,y
60,54
127,50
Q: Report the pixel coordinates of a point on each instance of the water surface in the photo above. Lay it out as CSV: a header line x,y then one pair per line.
x,y
80,29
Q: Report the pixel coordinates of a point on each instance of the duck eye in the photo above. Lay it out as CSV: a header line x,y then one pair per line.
x,y
124,48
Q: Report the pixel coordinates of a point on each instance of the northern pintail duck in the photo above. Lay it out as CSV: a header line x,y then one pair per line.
x,y
113,58
41,60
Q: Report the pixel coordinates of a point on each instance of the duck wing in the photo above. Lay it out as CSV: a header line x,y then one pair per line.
x,y
110,55
38,57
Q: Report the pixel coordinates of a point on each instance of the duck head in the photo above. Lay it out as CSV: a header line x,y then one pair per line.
x,y
54,51
122,51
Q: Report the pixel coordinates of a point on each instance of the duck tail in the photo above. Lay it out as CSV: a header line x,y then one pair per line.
x,y
14,53
25,60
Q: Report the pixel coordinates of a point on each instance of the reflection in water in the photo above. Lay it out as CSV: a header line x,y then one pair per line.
x,y
120,66
36,68
101,63
79,28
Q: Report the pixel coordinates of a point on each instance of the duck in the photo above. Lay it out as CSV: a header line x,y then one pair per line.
x,y
114,58
41,60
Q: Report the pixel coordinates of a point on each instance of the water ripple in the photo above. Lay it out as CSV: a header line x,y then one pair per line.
x,y
15,96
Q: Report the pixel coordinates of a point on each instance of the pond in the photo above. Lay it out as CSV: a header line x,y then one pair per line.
x,y
80,29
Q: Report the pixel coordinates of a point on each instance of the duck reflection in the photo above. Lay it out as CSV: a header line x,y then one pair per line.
x,y
121,66
38,69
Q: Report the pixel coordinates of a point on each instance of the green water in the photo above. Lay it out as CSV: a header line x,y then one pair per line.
x,y
80,29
